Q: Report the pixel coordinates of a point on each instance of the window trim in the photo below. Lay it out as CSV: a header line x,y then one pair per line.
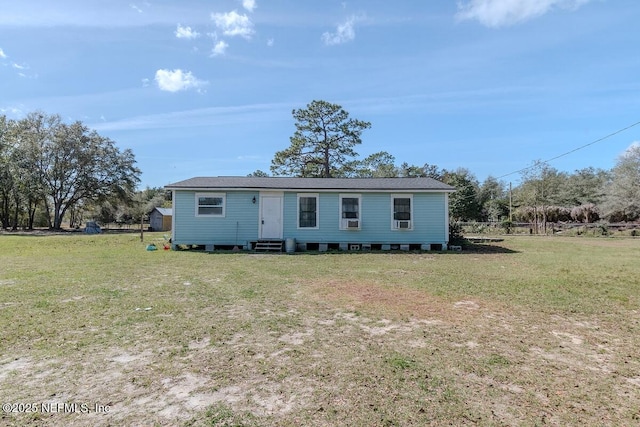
x,y
411,217
223,196
308,195
341,220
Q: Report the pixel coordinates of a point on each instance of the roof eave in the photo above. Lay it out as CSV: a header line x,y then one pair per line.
x,y
314,190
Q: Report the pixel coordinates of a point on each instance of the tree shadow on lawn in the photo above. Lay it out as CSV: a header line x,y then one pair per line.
x,y
485,248
41,233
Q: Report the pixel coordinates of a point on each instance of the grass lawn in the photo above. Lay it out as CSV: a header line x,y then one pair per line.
x,y
530,331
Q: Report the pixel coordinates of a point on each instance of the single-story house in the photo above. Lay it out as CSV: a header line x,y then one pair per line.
x,y
311,213
160,219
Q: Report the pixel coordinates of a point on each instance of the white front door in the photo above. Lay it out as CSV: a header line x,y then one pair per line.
x,y
271,216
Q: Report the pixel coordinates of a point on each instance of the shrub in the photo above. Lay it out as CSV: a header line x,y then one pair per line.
x,y
455,233
603,229
477,228
585,213
557,213
507,226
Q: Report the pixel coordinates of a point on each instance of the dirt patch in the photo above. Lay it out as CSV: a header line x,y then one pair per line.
x,y
400,302
397,301
200,344
344,361
467,305
347,353
296,338
13,367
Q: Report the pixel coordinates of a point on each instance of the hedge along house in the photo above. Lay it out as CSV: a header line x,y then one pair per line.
x,y
319,213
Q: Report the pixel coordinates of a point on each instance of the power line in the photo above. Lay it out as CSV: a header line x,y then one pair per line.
x,y
574,150
559,156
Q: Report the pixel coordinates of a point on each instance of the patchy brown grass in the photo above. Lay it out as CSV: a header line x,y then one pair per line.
x,y
527,332
395,302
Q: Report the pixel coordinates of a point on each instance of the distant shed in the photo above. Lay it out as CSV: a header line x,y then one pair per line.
x,y
160,219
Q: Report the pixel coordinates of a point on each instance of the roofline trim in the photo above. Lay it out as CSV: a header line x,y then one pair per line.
x,y
316,190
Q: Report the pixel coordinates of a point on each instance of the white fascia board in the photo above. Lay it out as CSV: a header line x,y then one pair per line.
x,y
310,190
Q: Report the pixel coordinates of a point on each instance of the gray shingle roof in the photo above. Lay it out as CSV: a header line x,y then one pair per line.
x,y
165,211
282,183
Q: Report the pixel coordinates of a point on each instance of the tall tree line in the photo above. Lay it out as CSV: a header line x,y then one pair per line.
x,y
57,169
324,145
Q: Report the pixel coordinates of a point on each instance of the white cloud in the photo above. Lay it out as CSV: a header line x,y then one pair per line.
x,y
177,80
13,111
220,48
21,70
500,13
635,146
233,24
249,5
134,7
270,42
186,33
2,54
344,33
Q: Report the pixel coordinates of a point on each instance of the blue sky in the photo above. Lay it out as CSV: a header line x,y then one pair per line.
x,y
206,88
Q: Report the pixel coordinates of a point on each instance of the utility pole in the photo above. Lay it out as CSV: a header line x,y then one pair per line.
x,y
510,203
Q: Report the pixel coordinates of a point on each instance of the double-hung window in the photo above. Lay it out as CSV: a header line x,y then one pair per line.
x,y
210,204
350,212
402,209
307,211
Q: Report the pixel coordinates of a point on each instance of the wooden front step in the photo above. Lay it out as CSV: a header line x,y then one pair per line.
x,y
269,246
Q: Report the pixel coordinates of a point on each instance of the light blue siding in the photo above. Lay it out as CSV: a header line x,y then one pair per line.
x,y
375,220
242,215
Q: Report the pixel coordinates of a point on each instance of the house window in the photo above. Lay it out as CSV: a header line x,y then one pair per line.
x,y
402,206
307,211
349,212
210,204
